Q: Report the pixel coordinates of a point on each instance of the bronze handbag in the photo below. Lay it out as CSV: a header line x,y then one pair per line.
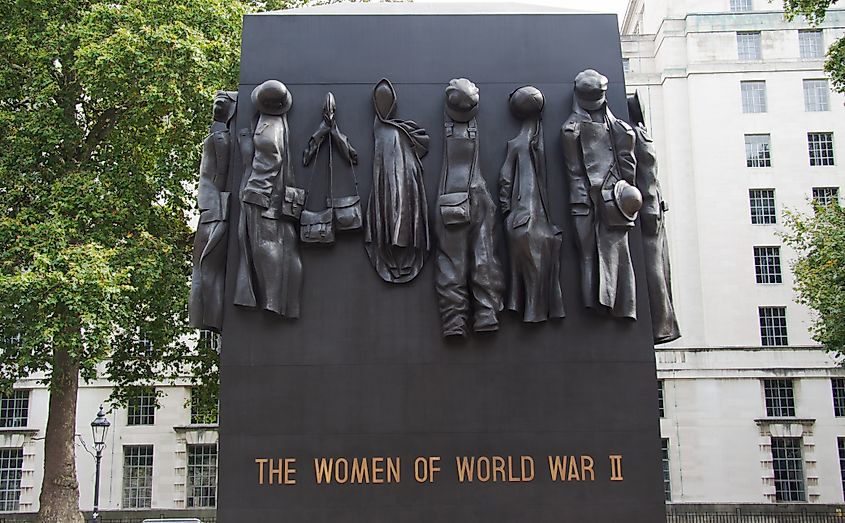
x,y
293,202
316,226
347,209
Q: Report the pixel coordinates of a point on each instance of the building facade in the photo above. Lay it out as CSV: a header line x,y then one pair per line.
x,y
747,128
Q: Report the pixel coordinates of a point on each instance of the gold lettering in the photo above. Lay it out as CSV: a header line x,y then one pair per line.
x,y
434,468
557,467
530,461
323,470
486,476
378,470
465,468
261,462
498,467
573,470
511,477
393,470
616,467
337,476
360,471
277,472
587,467
421,473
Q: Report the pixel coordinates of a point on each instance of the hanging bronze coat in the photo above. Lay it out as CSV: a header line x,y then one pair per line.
x,y
664,323
396,225
270,269
212,238
599,154
467,275
533,240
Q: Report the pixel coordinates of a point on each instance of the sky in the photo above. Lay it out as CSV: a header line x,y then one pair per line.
x,y
594,6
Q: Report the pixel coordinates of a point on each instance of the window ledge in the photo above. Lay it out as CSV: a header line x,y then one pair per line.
x,y
196,426
784,421
18,430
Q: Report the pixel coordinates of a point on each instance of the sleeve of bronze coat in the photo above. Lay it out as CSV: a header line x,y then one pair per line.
x,y
577,177
506,181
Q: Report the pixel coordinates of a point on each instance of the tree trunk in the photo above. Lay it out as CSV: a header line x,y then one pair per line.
x,y
60,490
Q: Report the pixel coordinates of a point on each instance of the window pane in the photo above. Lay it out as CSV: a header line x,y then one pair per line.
x,y
838,386
753,96
811,44
780,398
773,326
789,469
762,202
660,404
202,476
142,408
758,150
137,476
767,265
826,195
820,146
14,409
748,45
816,97
11,471
842,462
740,5
203,412
667,486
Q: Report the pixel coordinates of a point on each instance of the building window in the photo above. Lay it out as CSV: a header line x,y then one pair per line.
x,y
767,264
816,95
748,45
137,476
820,146
203,413
780,398
142,408
826,195
738,6
789,469
14,409
841,442
209,340
838,387
202,476
667,485
811,44
11,471
762,202
753,96
758,150
626,65
660,406
773,326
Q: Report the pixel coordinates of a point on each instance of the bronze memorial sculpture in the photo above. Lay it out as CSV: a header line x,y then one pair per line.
x,y
270,269
599,152
468,277
533,241
211,242
396,225
664,324
342,213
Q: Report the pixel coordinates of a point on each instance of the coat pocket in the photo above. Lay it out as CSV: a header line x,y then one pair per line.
x,y
454,208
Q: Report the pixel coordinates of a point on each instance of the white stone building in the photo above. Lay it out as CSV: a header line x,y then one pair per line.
x,y
747,128
736,101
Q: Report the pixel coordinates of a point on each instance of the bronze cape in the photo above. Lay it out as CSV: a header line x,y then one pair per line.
x,y
396,223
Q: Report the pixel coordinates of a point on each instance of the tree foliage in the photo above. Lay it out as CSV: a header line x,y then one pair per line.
x,y
814,11
103,105
819,271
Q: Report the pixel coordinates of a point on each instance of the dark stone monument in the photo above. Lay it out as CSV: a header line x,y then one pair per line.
x,y
359,410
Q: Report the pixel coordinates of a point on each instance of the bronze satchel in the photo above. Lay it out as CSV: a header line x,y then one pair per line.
x,y
455,206
316,226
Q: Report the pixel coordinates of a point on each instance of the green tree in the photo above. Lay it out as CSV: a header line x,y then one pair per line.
x,y
819,271
103,105
814,11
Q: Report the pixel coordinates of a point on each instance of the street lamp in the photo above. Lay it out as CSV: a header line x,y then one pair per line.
x,y
99,427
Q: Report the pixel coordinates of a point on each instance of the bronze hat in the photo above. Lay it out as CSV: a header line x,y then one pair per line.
x,y
628,199
527,102
590,89
461,100
272,97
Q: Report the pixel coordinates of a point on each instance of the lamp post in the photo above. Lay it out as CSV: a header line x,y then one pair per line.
x,y
99,427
